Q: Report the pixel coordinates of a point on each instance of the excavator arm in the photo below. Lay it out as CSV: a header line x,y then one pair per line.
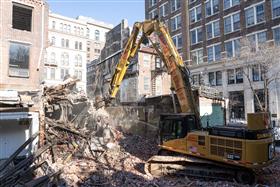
x,y
169,55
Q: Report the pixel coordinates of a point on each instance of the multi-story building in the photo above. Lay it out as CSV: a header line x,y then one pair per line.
x,y
96,36
211,32
23,39
174,14
66,53
145,75
216,30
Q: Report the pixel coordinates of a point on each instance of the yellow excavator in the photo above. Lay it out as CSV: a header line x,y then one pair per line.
x,y
222,152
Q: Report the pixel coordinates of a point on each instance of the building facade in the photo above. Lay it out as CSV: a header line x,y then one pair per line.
x,y
145,78
23,39
211,32
174,14
66,53
216,31
96,36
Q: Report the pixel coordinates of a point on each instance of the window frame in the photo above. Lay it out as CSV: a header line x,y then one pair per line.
x,y
232,22
254,6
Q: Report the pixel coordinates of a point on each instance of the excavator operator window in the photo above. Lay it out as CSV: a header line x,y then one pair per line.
x,y
176,128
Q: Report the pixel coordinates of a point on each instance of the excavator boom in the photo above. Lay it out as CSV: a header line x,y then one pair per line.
x,y
169,55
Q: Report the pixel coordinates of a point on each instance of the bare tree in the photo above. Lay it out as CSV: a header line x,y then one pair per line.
x,y
264,55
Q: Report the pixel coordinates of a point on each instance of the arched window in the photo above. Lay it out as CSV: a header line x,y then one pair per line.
x,y
53,41
80,46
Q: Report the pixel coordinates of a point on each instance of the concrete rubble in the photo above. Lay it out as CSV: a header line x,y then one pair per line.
x,y
84,147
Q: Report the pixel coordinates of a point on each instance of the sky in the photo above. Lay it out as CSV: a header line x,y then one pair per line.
x,y
109,11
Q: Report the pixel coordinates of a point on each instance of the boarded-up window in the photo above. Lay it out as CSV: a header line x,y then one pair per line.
x,y
22,17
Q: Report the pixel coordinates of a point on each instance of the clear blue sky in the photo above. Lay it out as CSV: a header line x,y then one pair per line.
x,y
110,11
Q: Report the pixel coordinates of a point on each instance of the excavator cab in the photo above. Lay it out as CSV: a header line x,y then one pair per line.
x,y
176,126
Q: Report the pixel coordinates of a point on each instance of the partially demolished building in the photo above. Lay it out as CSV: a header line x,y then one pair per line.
x,y
23,39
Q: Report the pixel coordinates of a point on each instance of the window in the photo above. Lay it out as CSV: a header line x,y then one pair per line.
x,y
236,105
197,56
153,14
256,74
163,10
76,45
78,74
232,48
52,77
232,23
212,7
175,23
69,29
175,5
64,59
211,77
177,40
276,35
67,43
214,53
158,63
62,42
239,75
80,46
254,15
275,8
52,59
63,73
97,35
219,80
152,3
196,35
231,77
53,41
22,17
195,14
19,60
78,61
61,26
257,39
196,79
146,60
97,50
230,3
215,78
146,83
235,76
65,28
213,29
53,24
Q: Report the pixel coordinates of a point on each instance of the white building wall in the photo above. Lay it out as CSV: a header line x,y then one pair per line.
x,y
73,31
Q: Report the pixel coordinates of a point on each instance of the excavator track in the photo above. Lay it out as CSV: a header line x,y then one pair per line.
x,y
159,166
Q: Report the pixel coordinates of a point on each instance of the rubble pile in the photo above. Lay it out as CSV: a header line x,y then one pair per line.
x,y
86,147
